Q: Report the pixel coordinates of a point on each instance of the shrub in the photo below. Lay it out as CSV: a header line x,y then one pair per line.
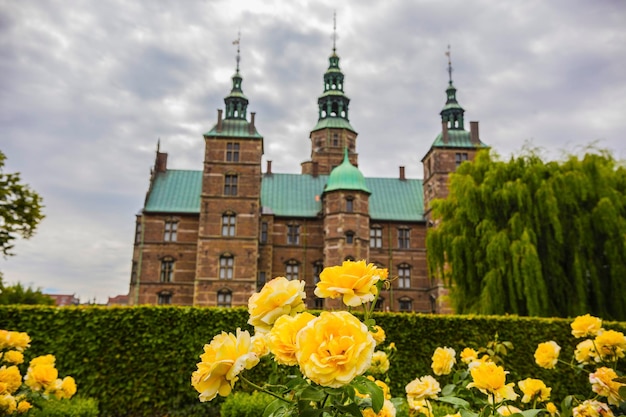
x,y
243,404
74,407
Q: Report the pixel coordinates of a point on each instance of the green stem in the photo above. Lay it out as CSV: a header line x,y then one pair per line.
x,y
260,388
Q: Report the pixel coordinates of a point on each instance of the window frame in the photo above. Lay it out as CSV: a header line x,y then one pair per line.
x,y
293,234
350,205
404,238
264,232
292,270
166,272
164,298
224,298
460,157
229,222
376,236
405,302
404,276
170,230
231,182
226,267
232,152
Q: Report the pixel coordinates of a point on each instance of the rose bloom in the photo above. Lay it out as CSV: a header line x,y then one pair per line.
x,y
421,406
586,325
378,334
422,388
14,340
592,408
490,379
42,360
260,344
443,360
453,415
547,354
611,344
334,348
551,408
380,363
468,355
65,388
14,357
10,379
23,406
278,297
507,410
282,337
534,389
388,410
602,383
40,377
585,352
355,282
223,359
8,404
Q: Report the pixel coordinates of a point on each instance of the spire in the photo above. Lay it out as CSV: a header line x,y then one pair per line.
x,y
333,103
236,102
452,113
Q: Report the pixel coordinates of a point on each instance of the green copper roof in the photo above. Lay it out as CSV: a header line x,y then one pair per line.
x,y
291,195
346,177
333,123
175,191
235,128
457,139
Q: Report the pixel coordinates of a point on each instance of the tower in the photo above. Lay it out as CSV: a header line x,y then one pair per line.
x,y
453,146
226,265
333,132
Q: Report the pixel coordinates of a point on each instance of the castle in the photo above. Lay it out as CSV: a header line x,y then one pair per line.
x,y
214,236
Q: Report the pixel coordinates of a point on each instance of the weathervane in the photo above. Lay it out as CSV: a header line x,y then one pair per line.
x,y
449,64
237,42
334,36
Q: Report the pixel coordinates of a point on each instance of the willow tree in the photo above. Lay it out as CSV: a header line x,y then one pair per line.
x,y
533,238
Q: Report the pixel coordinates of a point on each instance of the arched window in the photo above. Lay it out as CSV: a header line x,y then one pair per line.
x,y
164,298
349,258
224,298
227,263
406,304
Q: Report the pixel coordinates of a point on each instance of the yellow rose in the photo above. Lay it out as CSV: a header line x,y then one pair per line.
x,y
490,379
420,406
15,340
422,388
534,390
380,363
547,354
602,383
507,410
282,337
388,410
355,282
453,415
222,361
443,360
468,355
334,348
378,334
260,344
41,376
551,409
610,344
13,357
65,388
42,360
585,352
10,379
23,406
278,297
586,325
592,408
7,404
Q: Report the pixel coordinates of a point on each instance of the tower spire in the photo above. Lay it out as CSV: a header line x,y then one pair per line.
x,y
334,31
236,102
452,113
237,42
448,53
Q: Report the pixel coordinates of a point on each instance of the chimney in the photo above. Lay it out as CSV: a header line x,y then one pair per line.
x,y
219,120
268,170
474,137
315,169
251,128
444,132
402,177
160,165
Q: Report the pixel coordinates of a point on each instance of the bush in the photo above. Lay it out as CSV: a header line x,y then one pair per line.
x,y
74,407
243,404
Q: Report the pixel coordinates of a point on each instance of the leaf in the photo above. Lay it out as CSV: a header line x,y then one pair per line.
x,y
275,408
531,413
454,401
365,386
448,390
312,393
467,413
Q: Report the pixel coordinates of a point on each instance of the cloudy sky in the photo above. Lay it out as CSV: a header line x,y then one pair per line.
x,y
88,87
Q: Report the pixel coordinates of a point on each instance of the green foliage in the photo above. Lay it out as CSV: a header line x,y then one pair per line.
x,y
20,209
74,407
533,238
17,294
138,361
242,404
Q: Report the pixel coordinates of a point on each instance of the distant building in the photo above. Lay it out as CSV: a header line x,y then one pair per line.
x,y
212,237
61,300
118,300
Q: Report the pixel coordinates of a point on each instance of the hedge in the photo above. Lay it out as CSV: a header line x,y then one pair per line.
x,y
137,361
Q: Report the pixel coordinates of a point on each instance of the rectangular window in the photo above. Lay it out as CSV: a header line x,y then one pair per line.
x,y
224,299
293,234
133,273
319,304
460,157
232,152
261,280
404,238
138,232
404,277
318,267
230,185
164,298
228,224
226,267
167,270
406,305
264,227
291,272
349,205
376,237
171,231
349,238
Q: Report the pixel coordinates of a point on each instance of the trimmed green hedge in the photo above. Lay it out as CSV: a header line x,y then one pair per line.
x,y
138,361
